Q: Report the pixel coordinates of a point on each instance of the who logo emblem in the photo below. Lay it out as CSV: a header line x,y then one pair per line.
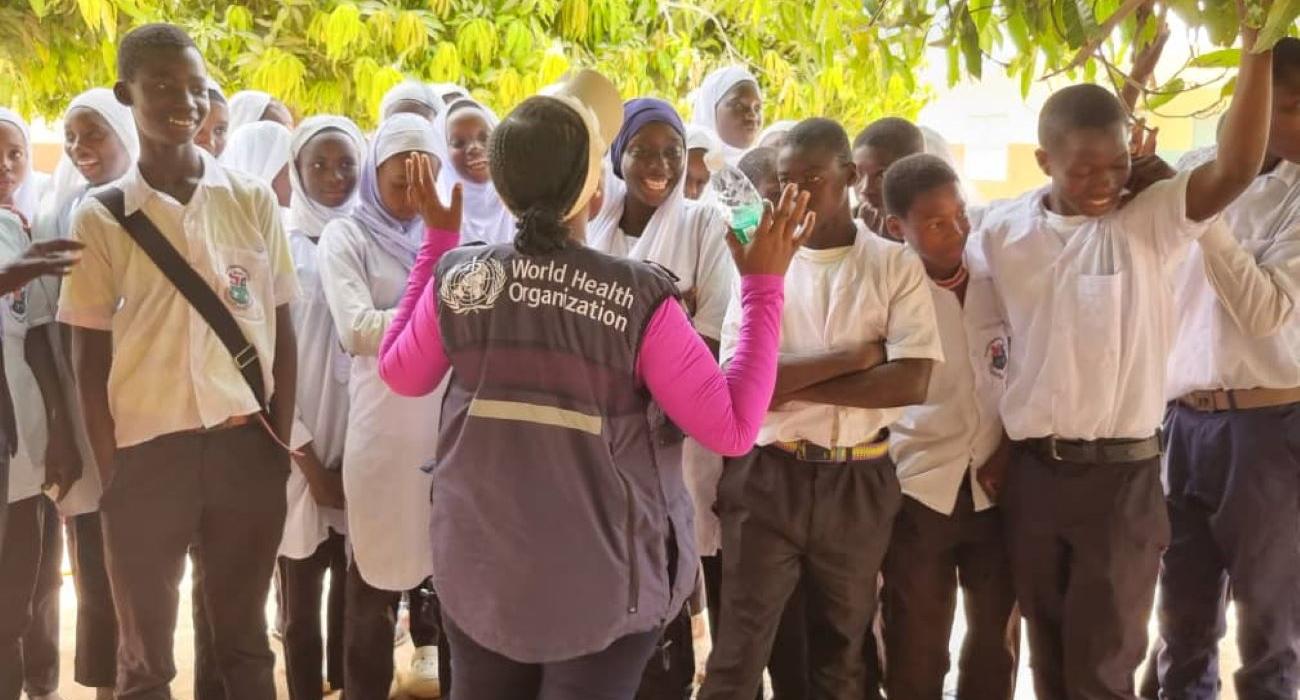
x,y
473,285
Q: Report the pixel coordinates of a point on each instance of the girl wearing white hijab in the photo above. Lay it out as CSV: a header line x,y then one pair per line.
x,y
100,145
20,185
704,157
325,159
410,96
463,129
248,106
730,104
447,93
774,135
261,149
365,259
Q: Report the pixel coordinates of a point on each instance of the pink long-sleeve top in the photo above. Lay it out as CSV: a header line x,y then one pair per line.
x,y
723,410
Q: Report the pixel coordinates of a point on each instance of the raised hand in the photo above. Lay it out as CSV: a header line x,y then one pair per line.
x,y
1142,140
422,193
779,234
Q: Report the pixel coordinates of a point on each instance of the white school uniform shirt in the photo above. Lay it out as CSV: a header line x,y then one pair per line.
x,y
1088,305
957,428
41,302
392,439
838,299
170,372
322,405
1237,292
27,466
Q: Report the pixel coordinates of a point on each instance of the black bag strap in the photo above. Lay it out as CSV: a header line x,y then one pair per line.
x,y
191,286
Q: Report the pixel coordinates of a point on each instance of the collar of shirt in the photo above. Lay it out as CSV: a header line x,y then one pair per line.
x,y
136,191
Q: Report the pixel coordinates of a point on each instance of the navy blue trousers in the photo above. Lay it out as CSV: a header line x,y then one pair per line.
x,y
1233,484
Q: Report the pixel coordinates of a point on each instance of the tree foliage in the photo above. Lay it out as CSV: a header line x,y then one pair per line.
x,y
852,59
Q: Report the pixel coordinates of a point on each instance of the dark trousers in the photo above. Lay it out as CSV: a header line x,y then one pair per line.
x,y
30,559
611,674
930,556
788,664
301,583
96,652
371,617
1085,543
221,493
784,520
1234,503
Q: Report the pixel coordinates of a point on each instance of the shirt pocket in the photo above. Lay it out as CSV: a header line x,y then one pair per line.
x,y
1098,327
244,282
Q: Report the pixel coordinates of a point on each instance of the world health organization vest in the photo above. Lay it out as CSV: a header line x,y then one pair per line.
x,y
558,499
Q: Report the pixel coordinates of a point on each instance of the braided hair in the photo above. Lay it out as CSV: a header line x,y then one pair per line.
x,y
539,158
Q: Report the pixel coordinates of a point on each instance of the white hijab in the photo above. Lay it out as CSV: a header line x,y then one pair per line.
x,y
398,134
782,127
409,90
306,214
484,217
246,107
260,149
28,196
68,184
704,109
440,89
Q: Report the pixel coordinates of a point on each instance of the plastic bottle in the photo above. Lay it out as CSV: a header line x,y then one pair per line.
x,y
735,194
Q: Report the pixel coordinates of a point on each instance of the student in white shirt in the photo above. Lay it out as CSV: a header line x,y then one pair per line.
x,y
187,454
27,520
462,129
21,186
100,145
948,534
410,96
325,162
216,126
1084,287
730,104
365,260
703,156
250,106
817,497
884,142
1233,430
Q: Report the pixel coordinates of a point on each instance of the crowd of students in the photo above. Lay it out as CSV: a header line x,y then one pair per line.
x,y
521,374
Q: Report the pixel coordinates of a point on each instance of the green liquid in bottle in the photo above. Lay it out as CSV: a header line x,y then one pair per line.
x,y
744,221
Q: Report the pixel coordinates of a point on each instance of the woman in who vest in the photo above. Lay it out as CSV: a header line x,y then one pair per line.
x,y
569,470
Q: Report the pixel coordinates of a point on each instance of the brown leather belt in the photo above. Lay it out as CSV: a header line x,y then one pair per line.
x,y
1107,451
1239,399
227,424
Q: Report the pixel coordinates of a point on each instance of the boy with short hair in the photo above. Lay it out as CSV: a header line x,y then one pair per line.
x,y
1232,430
884,142
948,533
187,450
1083,287
816,499
759,165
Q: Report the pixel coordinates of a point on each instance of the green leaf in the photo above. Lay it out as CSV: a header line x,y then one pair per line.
x,y
1223,58
38,7
1228,88
1167,93
1280,22
970,44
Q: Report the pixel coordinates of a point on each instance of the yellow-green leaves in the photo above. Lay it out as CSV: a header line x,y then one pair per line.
x,y
280,73
477,42
343,31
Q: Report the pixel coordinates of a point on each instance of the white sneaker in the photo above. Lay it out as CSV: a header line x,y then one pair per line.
x,y
423,680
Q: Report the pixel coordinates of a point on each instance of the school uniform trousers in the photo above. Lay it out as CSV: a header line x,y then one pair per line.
x,y
930,557
223,492
371,617
1084,540
30,563
95,661
1234,501
784,519
301,581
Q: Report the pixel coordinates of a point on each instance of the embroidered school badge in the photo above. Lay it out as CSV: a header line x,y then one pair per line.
x,y
237,287
473,285
18,304
996,354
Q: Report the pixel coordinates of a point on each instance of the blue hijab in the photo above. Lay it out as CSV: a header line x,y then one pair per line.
x,y
636,114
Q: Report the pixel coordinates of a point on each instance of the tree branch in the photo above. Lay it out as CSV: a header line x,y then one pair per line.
x,y
1091,45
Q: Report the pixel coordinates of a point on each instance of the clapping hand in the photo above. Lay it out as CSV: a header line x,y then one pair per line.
x,y
422,193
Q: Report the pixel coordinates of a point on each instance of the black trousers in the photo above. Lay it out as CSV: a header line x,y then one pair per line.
x,y
301,586
611,674
930,557
95,664
371,617
785,520
222,493
1085,543
30,559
